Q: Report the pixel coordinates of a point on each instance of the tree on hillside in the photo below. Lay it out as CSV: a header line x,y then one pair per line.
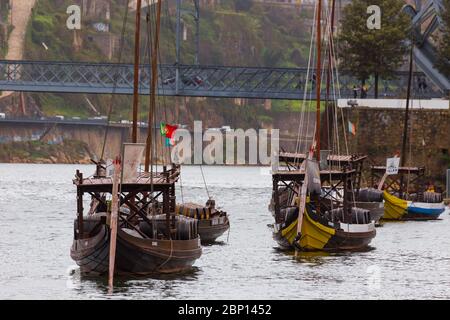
x,y
368,52
444,44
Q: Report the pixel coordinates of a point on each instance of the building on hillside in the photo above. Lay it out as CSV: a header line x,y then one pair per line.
x,y
96,16
96,9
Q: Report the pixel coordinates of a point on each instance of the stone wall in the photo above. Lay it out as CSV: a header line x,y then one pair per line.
x,y
90,137
379,134
56,134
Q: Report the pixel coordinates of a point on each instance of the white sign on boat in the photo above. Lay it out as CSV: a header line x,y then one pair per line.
x,y
133,153
392,165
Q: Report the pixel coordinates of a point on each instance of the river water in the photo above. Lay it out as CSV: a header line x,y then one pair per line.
x,y
408,260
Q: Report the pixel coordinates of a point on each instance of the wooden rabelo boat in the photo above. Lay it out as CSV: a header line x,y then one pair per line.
x,y
308,214
329,223
131,226
406,194
411,202
366,198
146,244
212,222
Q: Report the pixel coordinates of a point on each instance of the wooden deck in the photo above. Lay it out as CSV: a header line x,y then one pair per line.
x,y
160,182
299,175
401,170
332,159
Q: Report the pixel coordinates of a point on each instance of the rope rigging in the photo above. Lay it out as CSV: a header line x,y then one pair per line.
x,y
116,76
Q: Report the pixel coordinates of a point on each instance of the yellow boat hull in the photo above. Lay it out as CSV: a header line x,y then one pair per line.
x,y
318,237
399,209
394,208
315,236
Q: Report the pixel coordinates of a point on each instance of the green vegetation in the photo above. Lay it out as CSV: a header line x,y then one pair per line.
x,y
245,33
231,34
5,28
36,151
4,10
444,43
296,106
3,51
377,52
48,26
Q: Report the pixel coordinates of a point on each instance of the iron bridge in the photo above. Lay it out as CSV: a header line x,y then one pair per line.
x,y
188,80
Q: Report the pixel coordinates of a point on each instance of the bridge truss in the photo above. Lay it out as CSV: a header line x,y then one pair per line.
x,y
192,80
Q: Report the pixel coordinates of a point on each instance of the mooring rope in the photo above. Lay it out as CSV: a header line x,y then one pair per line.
x,y
204,182
170,255
305,93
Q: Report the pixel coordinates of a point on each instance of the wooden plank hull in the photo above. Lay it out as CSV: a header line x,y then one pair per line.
x,y
209,233
135,255
92,254
403,210
318,237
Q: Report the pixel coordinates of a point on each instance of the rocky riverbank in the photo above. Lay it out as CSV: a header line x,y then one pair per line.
x,y
68,152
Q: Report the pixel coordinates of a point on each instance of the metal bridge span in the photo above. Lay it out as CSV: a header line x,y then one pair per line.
x,y
193,80
226,82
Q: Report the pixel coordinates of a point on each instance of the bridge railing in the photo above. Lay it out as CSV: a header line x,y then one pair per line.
x,y
195,81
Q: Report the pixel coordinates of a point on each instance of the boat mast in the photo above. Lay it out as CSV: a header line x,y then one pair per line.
x,y
318,78
303,189
154,81
137,41
326,136
405,125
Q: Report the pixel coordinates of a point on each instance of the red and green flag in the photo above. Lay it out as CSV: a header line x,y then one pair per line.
x,y
168,131
352,128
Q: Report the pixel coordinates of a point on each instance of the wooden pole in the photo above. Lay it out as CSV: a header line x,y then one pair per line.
x,y
80,206
137,40
302,196
114,221
301,205
406,121
166,210
276,199
326,136
153,88
316,143
318,77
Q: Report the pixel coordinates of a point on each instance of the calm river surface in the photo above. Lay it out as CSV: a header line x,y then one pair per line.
x,y
409,260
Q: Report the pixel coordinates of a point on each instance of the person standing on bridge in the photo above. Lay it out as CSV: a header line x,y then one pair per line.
x,y
419,84
313,81
355,92
364,90
424,85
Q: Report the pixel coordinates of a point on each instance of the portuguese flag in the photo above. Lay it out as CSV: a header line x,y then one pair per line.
x,y
168,131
